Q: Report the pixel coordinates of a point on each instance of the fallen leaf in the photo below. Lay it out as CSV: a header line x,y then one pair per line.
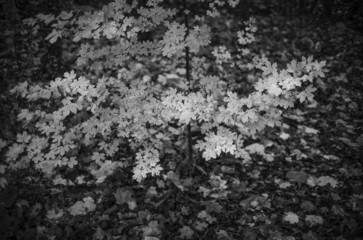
x,y
123,195
35,209
151,238
311,181
132,205
204,190
291,217
288,238
221,234
331,157
309,236
269,157
3,182
160,183
2,143
338,210
348,142
325,180
55,214
151,192
249,234
256,148
284,136
313,220
152,229
298,176
307,206
186,232
217,182
255,201
212,206
99,235
82,207
311,130
284,185
201,226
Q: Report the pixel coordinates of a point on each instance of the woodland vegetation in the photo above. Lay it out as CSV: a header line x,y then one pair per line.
x,y
180,119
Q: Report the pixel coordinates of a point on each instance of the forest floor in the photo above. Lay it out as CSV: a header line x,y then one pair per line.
x,y
311,187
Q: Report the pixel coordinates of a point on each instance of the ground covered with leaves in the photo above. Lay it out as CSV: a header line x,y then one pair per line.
x,y
305,180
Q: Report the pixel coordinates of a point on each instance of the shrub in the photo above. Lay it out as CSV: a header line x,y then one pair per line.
x,y
94,124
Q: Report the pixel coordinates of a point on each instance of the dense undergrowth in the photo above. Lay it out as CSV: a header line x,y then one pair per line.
x,y
304,182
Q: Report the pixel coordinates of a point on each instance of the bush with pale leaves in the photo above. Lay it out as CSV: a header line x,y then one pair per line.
x,y
73,121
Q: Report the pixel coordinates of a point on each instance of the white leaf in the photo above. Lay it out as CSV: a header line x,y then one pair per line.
x,y
331,157
256,148
311,181
325,180
54,215
291,217
284,136
132,205
172,76
311,130
284,185
269,157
